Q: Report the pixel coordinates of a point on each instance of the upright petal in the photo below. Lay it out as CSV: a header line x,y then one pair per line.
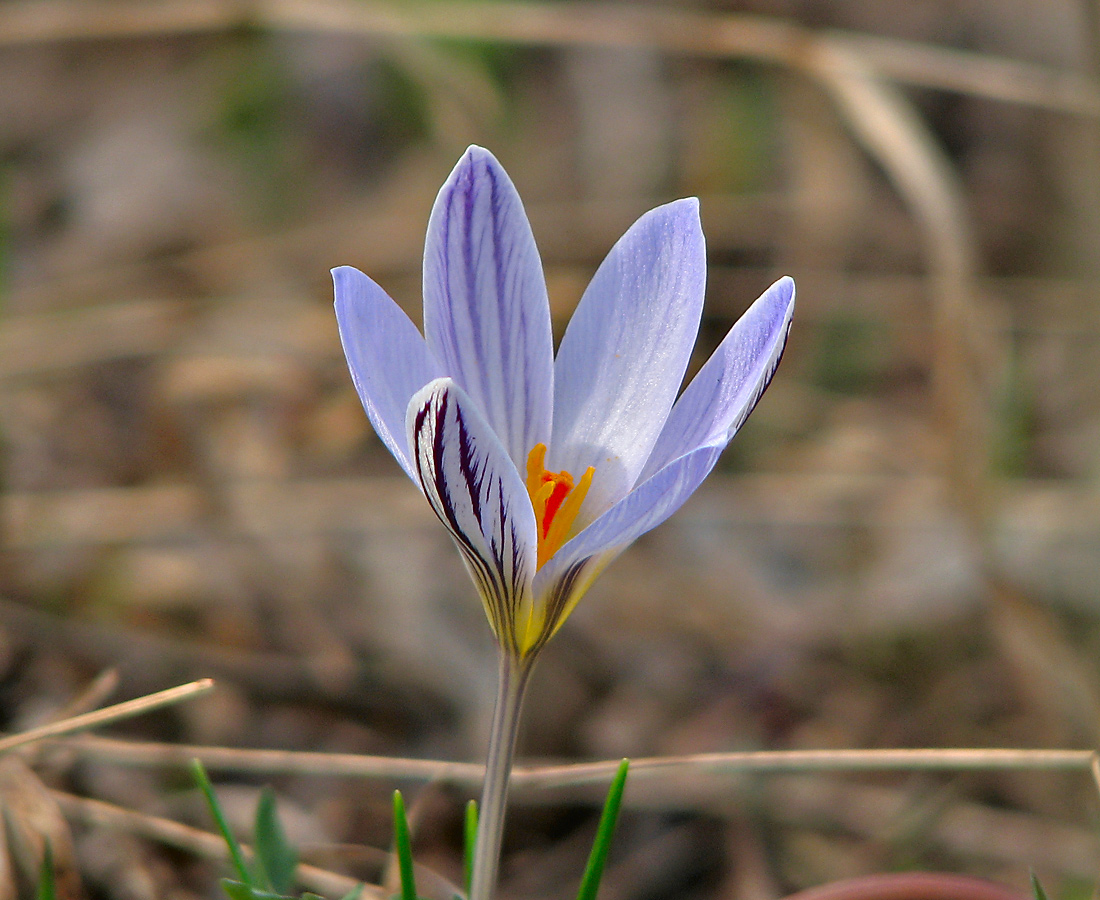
x,y
727,388
623,357
388,358
563,580
479,496
486,313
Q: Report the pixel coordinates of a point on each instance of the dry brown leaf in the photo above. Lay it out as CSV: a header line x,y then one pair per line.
x,y
32,820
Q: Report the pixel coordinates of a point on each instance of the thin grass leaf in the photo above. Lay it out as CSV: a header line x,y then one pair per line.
x,y
469,841
237,890
402,845
593,872
47,885
235,854
1036,888
276,859
353,894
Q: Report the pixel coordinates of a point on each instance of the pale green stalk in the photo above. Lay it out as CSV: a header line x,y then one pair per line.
x,y
512,685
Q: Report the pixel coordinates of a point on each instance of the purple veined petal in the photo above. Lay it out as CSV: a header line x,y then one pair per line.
x,y
477,493
486,313
723,393
623,357
561,582
387,356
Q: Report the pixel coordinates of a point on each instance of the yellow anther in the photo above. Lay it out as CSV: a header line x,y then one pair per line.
x,y
555,500
535,468
562,521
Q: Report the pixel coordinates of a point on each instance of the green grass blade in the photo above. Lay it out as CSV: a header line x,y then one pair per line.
x,y
1036,888
469,840
235,854
236,890
402,845
276,859
47,885
593,872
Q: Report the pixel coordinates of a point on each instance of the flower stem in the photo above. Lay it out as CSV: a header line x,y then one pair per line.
x,y
511,687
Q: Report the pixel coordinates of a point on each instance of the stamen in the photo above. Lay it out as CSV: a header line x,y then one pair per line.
x,y
535,468
556,501
558,526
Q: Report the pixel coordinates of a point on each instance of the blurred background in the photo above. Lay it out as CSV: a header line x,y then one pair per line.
x,y
900,550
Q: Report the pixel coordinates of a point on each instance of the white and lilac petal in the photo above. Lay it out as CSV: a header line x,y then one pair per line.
x,y
623,356
486,313
723,393
567,574
387,356
477,493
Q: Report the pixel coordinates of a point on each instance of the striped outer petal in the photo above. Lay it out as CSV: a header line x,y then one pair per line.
x,y
570,572
723,393
479,496
387,356
623,356
486,313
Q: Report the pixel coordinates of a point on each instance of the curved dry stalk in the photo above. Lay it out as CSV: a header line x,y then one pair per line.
x,y
888,127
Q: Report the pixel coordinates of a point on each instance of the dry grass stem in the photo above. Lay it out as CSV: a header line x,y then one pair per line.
x,y
545,777
100,717
272,762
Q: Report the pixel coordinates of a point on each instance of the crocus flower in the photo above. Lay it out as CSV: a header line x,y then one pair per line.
x,y
544,468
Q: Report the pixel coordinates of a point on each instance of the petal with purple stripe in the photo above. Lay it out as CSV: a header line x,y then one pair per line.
x,y
479,496
486,313
723,393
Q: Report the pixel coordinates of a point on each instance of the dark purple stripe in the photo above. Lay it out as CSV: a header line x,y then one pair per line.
x,y
496,584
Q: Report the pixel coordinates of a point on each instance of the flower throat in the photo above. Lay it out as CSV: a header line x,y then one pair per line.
x,y
556,500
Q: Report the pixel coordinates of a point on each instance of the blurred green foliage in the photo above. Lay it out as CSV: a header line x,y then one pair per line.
x,y
746,136
850,353
253,118
1016,424
47,884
